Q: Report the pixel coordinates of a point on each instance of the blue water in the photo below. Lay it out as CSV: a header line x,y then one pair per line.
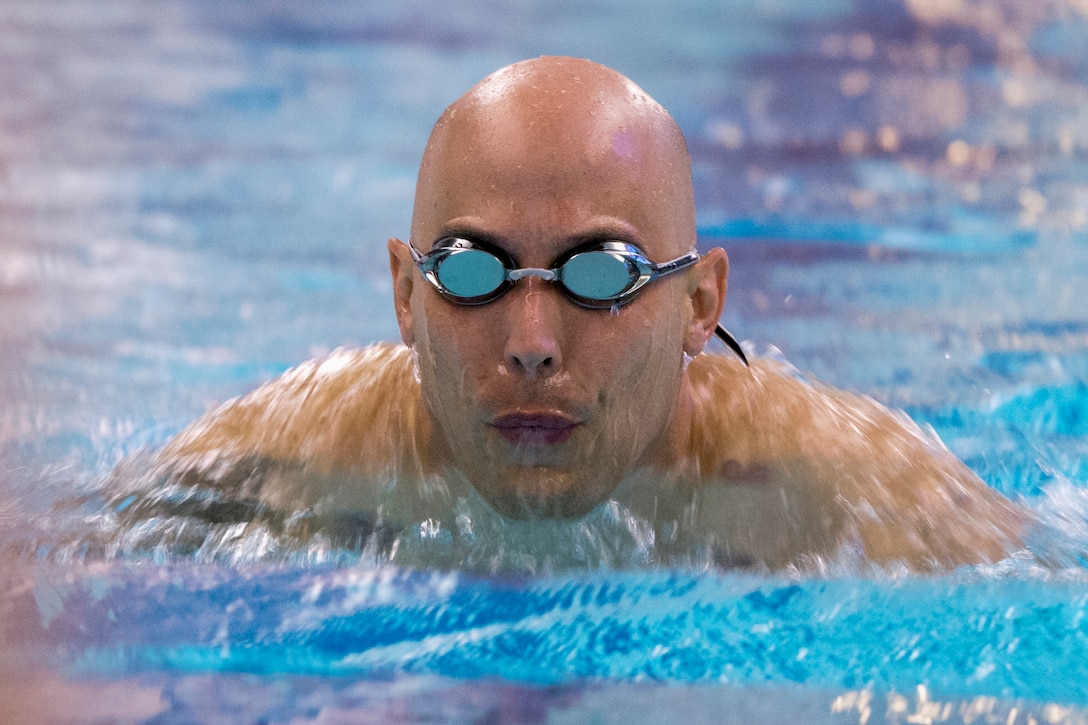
x,y
195,196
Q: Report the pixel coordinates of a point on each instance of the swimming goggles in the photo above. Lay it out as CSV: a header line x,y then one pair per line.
x,y
598,275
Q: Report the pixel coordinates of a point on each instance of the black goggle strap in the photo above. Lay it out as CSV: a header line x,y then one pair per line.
x,y
731,343
674,265
722,333
417,256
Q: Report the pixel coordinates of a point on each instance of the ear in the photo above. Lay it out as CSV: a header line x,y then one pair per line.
x,y
707,289
403,268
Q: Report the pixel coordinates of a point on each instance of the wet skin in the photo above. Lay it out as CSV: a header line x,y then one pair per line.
x,y
544,405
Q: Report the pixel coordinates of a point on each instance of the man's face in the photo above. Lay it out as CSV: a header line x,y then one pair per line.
x,y
544,405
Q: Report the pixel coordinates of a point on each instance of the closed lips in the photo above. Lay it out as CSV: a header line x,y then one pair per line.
x,y
535,428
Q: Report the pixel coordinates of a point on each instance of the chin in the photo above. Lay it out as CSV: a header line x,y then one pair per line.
x,y
543,500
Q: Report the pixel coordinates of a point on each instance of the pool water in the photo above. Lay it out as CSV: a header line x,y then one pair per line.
x,y
195,196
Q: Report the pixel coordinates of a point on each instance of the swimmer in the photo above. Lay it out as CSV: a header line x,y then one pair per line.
x,y
554,315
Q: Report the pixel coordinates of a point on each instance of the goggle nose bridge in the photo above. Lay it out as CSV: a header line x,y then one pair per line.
x,y
548,275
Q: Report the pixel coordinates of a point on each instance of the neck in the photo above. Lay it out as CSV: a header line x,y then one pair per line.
x,y
672,450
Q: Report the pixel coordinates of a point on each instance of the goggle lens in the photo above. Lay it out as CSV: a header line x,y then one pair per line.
x,y
597,275
470,273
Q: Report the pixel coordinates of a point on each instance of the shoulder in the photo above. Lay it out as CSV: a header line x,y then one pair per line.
x,y
891,484
771,411
317,413
747,415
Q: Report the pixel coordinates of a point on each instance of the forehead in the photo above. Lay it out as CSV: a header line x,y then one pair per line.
x,y
545,174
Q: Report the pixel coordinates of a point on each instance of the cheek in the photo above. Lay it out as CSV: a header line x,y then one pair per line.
x,y
630,362
640,364
454,348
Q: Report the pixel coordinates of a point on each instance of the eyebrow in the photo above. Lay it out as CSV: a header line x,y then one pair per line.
x,y
604,232
472,234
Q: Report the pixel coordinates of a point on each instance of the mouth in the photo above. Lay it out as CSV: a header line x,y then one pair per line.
x,y
535,429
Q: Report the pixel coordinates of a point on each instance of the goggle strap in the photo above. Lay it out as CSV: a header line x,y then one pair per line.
x,y
673,265
731,343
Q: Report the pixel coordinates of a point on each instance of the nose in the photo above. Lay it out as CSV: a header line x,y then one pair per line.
x,y
533,326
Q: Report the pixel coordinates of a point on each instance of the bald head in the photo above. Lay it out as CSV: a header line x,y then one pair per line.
x,y
553,123
542,403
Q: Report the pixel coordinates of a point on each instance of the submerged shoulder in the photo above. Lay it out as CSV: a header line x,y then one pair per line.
x,y
881,480
318,413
